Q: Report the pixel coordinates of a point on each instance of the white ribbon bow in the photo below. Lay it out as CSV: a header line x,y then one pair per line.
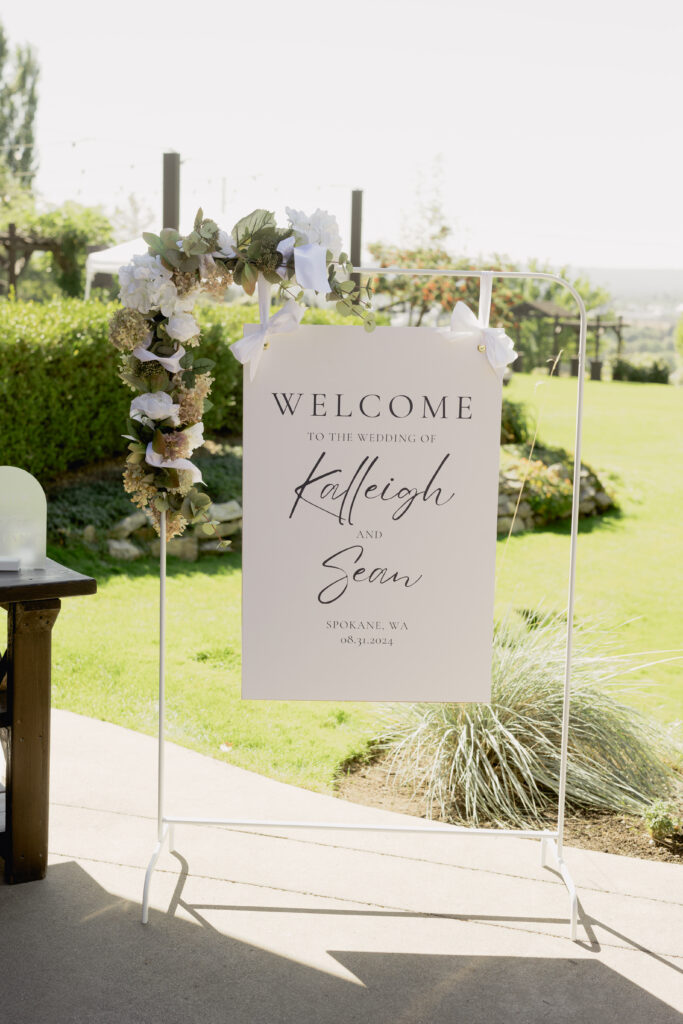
x,y
500,350
310,264
249,349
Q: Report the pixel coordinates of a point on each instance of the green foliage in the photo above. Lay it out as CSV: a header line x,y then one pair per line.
x,y
678,337
101,500
18,102
548,492
73,506
662,820
499,763
74,228
656,372
61,402
16,201
514,424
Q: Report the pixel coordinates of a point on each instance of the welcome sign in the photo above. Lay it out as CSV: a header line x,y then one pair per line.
x,y
370,502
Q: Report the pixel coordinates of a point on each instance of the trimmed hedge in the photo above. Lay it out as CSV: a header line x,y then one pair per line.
x,y
61,401
656,372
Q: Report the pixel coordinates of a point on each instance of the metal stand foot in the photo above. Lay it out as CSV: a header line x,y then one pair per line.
x,y
569,883
150,868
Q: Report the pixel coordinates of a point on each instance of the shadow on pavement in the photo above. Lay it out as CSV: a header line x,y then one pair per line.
x,y
74,954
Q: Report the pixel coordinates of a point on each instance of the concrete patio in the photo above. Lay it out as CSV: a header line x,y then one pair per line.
x,y
310,927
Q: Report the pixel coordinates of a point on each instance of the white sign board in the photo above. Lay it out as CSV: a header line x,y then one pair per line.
x,y
370,508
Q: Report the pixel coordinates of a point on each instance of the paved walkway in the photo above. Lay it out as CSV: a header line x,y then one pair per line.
x,y
306,927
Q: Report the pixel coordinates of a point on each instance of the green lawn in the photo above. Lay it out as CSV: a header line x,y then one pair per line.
x,y
105,659
629,577
629,567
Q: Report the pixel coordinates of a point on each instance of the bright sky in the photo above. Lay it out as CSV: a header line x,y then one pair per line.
x,y
556,125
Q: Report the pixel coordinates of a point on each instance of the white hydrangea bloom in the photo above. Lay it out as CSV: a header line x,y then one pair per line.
x,y
319,228
145,284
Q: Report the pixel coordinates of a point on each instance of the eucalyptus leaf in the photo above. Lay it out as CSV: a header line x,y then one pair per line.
x,y
169,236
154,243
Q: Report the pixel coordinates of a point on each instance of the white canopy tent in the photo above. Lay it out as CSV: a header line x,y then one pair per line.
x,y
108,261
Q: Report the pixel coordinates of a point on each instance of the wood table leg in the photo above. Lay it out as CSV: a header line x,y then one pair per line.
x,y
29,628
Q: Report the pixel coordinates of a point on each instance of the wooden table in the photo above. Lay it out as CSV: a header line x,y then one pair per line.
x,y
31,598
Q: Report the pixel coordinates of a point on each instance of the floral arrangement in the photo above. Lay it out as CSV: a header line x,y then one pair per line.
x,y
156,332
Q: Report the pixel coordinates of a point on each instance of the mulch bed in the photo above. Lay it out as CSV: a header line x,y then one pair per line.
x,y
624,834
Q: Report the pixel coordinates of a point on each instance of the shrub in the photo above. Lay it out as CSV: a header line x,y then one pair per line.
x,y
499,763
61,402
656,372
514,423
662,820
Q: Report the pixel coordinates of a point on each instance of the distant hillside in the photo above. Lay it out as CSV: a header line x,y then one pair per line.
x,y
634,287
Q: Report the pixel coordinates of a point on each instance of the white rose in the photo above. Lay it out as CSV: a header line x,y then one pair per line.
x,y
320,228
182,327
155,405
167,298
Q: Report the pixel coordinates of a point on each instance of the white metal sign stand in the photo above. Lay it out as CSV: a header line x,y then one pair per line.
x,y
551,839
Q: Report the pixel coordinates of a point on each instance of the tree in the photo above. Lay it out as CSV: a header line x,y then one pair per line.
x,y
678,337
19,74
421,296
432,297
76,229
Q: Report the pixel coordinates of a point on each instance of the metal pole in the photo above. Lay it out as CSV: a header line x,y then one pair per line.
x,y
356,230
12,261
162,671
171,211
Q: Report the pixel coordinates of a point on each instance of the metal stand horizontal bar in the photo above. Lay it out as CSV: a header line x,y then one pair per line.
x,y
332,826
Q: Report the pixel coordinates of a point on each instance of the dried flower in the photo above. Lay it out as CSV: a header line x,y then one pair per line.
x,y
185,282
139,483
185,482
176,445
128,329
175,522
191,400
215,277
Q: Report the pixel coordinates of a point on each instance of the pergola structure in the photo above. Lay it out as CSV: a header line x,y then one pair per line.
x,y
542,309
19,249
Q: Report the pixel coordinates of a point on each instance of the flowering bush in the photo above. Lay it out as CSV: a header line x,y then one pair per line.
x,y
156,330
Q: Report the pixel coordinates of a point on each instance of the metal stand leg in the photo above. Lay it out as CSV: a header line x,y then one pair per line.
x,y
148,874
571,888
163,829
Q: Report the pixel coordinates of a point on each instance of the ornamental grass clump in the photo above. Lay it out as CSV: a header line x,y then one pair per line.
x,y
499,763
